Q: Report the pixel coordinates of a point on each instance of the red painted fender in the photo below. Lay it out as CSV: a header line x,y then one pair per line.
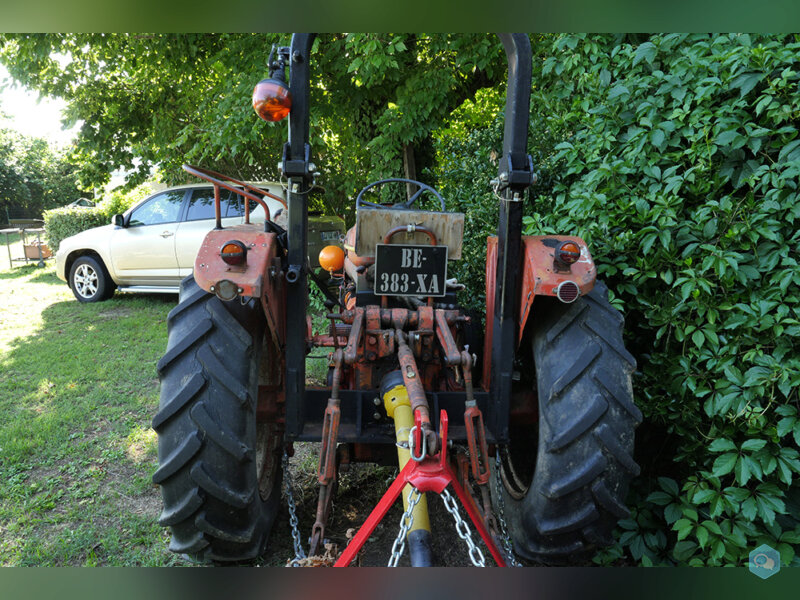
x,y
260,276
539,278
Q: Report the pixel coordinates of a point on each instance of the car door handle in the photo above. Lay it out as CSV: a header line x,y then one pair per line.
x,y
166,234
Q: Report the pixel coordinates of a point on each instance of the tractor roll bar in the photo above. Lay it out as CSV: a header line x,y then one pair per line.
x,y
515,174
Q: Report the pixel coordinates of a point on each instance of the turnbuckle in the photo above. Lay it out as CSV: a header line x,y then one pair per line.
x,y
473,421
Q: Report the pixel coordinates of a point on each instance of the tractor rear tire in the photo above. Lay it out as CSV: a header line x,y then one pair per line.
x,y
219,470
583,451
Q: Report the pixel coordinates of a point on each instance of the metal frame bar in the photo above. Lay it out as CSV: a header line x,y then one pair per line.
x,y
515,175
296,168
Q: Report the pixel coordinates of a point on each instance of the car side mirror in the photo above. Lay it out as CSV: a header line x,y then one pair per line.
x,y
118,221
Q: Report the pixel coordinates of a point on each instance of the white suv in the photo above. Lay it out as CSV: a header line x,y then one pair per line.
x,y
156,245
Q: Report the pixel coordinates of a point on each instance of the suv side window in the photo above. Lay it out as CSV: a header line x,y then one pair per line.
x,y
236,207
163,208
201,204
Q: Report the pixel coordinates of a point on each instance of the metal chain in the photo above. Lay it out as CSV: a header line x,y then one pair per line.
x,y
475,554
406,521
501,516
299,554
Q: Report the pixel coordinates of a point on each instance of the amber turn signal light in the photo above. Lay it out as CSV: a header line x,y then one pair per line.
x,y
331,258
568,253
272,100
233,252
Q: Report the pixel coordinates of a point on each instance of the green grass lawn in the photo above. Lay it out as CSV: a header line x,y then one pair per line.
x,y
78,388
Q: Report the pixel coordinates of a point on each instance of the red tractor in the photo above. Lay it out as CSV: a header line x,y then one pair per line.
x,y
529,420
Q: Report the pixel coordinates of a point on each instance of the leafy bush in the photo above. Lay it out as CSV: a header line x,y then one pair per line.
x,y
678,164
61,223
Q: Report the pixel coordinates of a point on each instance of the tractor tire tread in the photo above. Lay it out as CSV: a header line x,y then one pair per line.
x,y
179,457
579,424
221,436
206,425
181,509
587,419
174,405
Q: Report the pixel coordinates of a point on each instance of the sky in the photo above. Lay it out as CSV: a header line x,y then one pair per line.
x,y
30,115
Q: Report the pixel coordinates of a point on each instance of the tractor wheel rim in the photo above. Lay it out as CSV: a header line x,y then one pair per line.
x,y
268,441
512,482
86,281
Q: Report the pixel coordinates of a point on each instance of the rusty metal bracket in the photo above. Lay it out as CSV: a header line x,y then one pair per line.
x,y
452,356
326,471
473,421
351,350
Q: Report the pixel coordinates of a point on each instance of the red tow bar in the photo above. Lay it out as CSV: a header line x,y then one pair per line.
x,y
432,474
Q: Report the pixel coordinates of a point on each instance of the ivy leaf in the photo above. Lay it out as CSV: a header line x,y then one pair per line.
x,y
683,527
617,91
645,51
669,485
791,537
718,549
702,536
721,445
749,509
765,511
790,151
726,137
703,496
683,550
746,82
724,464
742,471
785,425
712,527
698,338
754,445
658,138
659,498
672,512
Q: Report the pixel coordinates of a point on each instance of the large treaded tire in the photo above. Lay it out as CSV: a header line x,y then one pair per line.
x,y
587,418
207,433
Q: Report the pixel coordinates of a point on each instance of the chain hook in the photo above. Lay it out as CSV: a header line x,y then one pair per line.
x,y
411,446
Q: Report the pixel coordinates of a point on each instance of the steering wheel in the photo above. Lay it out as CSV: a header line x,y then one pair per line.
x,y
421,188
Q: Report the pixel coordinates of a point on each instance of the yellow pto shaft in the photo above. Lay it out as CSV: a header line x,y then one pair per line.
x,y
398,407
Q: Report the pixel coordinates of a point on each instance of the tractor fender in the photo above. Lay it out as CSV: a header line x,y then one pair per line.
x,y
259,277
540,277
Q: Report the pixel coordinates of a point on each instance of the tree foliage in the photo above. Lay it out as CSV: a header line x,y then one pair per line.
x,y
148,100
33,176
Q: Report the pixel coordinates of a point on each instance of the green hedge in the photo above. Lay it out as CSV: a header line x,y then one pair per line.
x,y
61,223
677,160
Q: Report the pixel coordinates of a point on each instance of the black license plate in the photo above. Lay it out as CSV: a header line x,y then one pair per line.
x,y
410,270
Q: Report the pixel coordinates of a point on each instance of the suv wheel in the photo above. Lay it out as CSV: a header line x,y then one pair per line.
x,y
90,281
